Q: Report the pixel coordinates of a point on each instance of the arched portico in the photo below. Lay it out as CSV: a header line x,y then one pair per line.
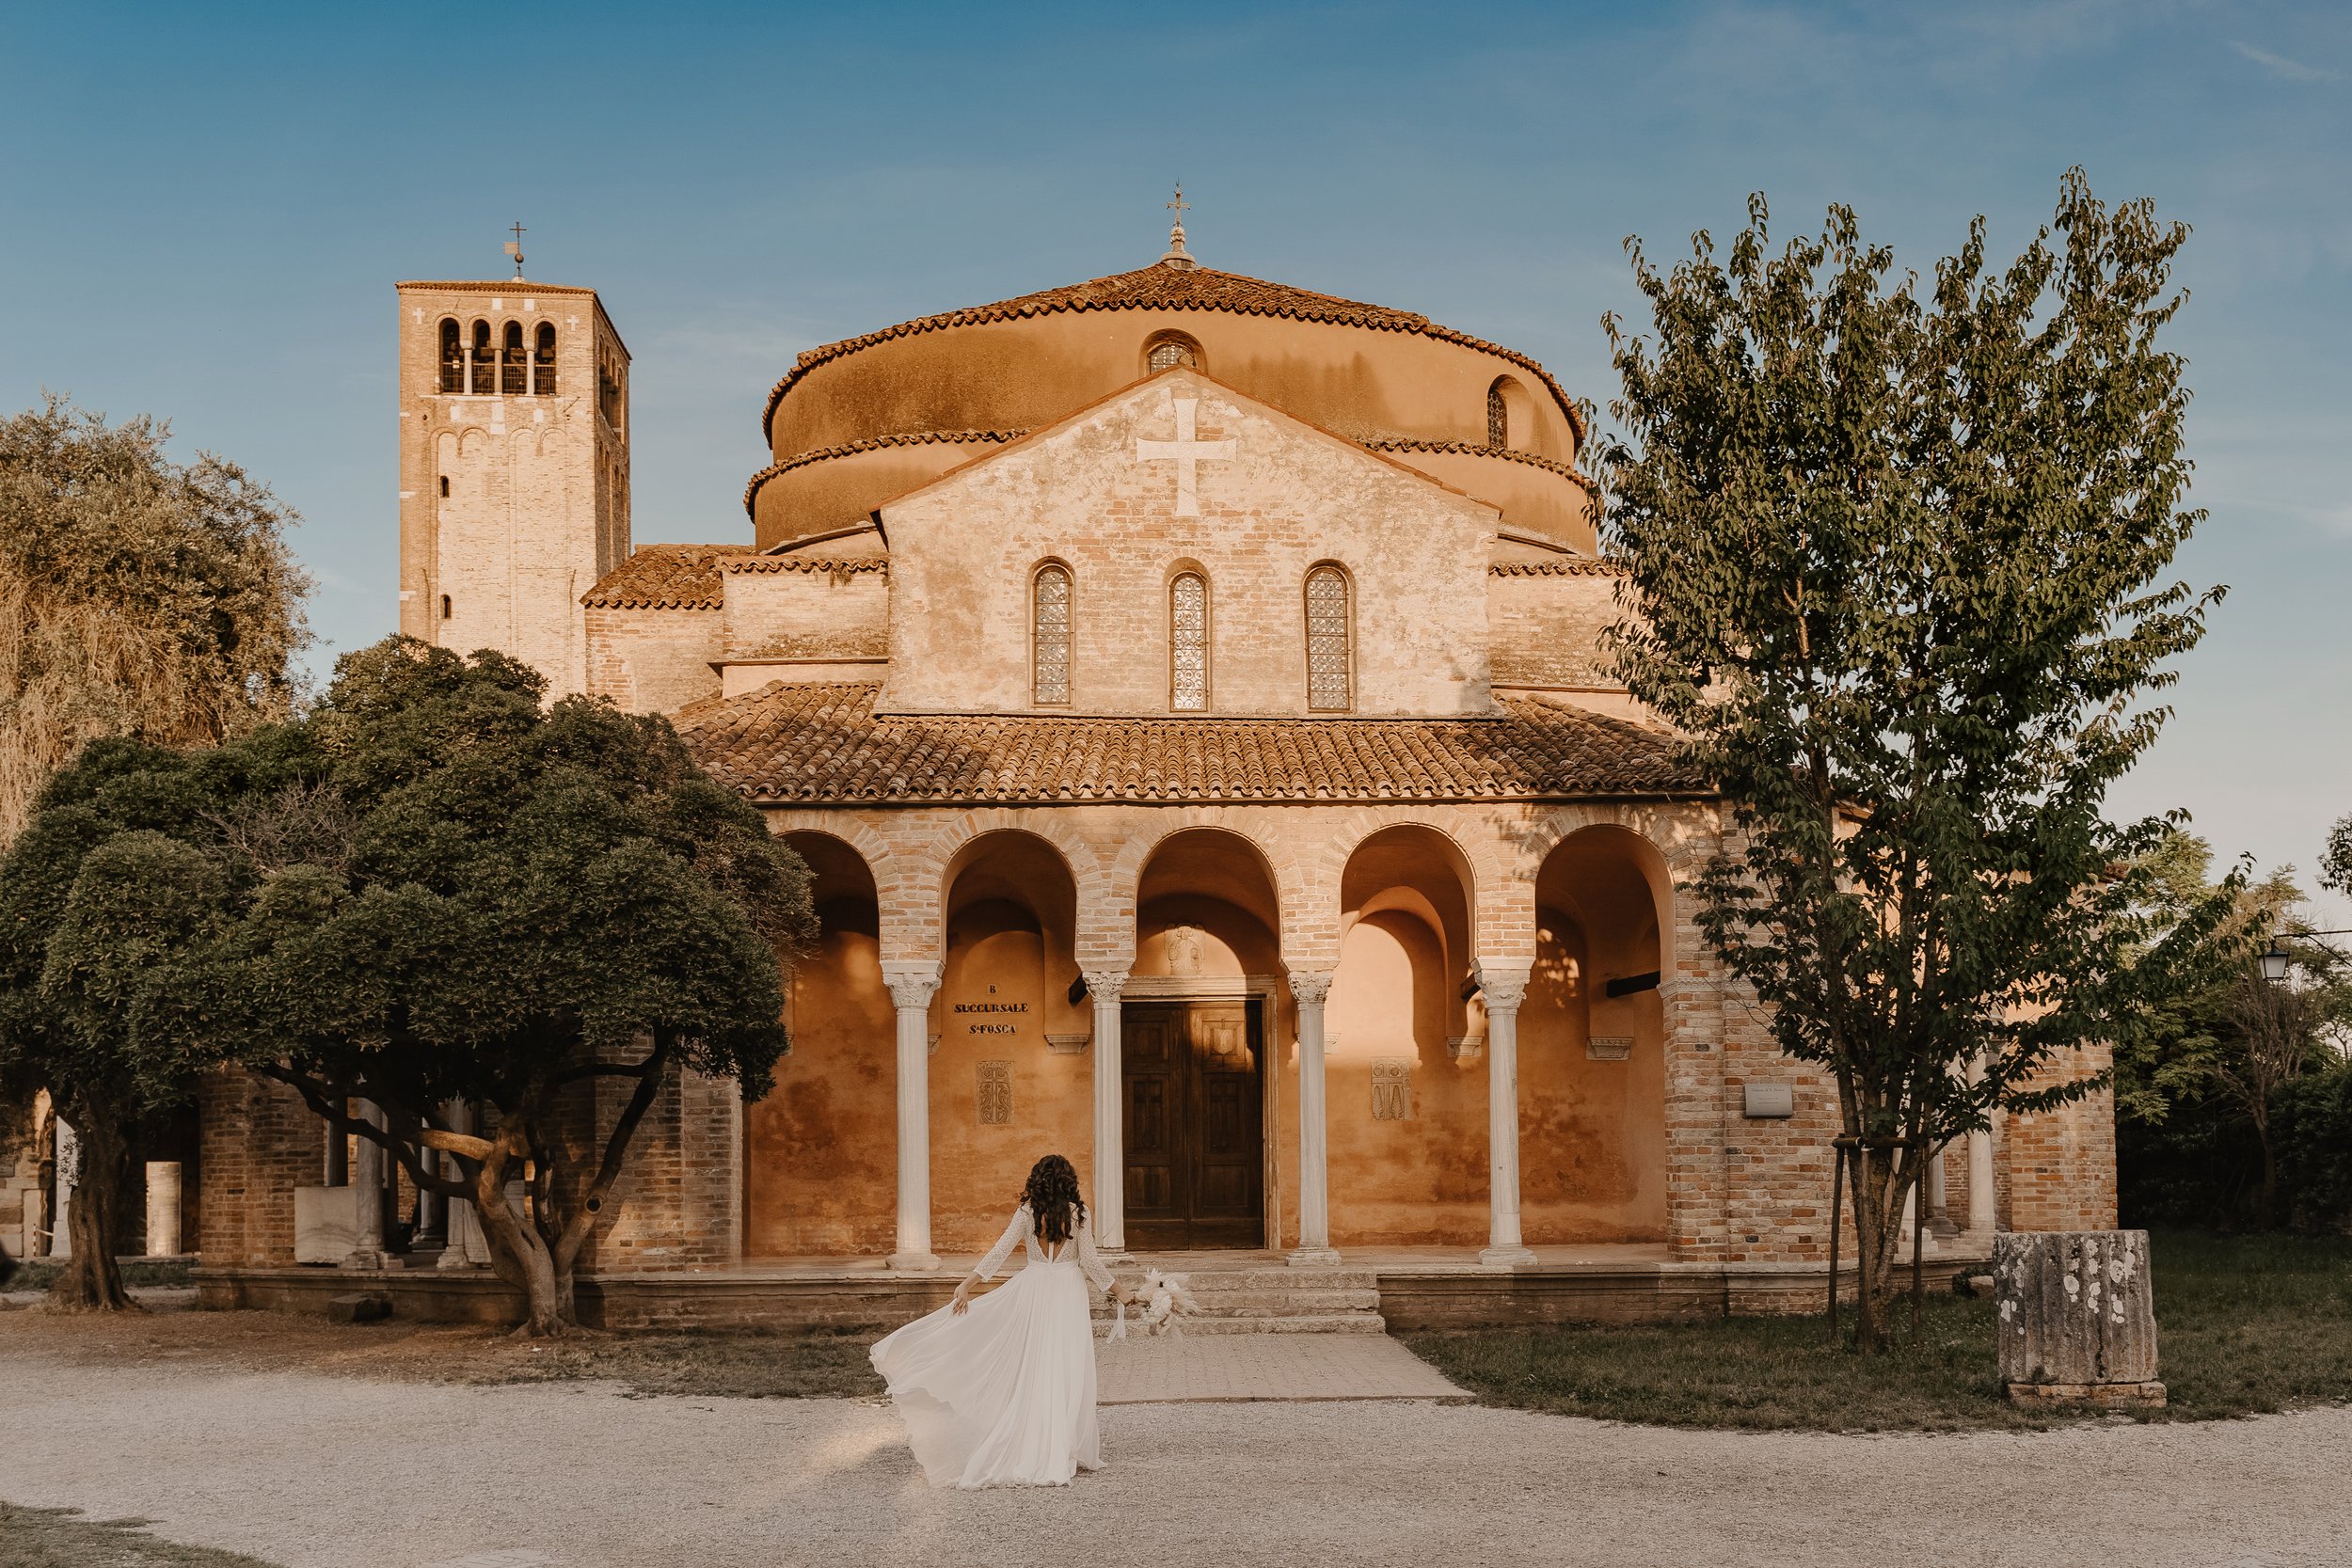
x,y
819,1147
1592,1042
1181,1049
1406,1088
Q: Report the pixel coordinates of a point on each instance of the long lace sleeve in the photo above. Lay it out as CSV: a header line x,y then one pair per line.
x,y
986,1268
1090,1260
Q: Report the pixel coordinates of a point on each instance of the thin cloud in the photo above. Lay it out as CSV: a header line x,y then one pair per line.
x,y
2293,71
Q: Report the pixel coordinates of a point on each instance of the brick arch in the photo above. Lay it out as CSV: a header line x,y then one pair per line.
x,y
1488,875
1677,857
886,867
924,911
1282,862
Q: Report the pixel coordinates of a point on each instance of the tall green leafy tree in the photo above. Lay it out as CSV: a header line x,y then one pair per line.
x,y
1897,570
429,891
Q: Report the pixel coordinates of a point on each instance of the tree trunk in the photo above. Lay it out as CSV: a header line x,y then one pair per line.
x,y
521,1253
93,1279
1871,1252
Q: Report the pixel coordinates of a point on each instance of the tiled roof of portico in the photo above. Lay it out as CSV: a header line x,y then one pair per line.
x,y
823,743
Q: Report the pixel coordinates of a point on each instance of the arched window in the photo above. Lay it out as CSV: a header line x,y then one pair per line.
x,y
1049,635
1497,418
445,607
1188,643
1330,641
452,357
543,362
482,377
514,366
1168,350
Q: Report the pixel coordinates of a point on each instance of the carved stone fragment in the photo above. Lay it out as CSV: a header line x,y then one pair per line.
x,y
2077,1319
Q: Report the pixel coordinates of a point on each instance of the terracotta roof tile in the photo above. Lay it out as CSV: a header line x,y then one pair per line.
x,y
823,743
664,576
1167,288
1580,566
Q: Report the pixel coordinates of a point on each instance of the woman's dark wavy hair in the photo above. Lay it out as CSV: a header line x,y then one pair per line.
x,y
1051,1194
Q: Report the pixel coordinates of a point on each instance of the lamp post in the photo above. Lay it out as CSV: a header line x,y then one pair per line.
x,y
2276,960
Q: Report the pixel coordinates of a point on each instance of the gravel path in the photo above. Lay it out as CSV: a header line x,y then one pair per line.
x,y
323,1472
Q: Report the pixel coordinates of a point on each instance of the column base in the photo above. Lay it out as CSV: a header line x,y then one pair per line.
x,y
1313,1258
453,1256
371,1260
1505,1256
915,1262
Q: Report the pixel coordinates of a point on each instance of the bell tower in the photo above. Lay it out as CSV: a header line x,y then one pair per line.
x,y
514,466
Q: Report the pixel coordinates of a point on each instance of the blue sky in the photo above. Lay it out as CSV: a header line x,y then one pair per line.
x,y
203,210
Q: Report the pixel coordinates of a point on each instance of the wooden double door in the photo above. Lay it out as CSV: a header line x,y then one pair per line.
x,y
1195,1082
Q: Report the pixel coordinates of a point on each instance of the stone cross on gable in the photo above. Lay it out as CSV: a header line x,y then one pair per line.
x,y
1185,452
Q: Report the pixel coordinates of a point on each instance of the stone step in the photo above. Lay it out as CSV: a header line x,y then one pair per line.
x,y
1274,1278
1230,1302
1348,1322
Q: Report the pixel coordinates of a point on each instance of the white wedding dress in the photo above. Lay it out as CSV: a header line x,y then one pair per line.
x,y
1004,1395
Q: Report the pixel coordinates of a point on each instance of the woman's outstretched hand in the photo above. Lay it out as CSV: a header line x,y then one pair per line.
x,y
964,1298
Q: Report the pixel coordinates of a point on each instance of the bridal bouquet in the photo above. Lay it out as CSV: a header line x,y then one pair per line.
x,y
1167,1299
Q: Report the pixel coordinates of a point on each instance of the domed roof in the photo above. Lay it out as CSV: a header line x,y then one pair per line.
x,y
1173,283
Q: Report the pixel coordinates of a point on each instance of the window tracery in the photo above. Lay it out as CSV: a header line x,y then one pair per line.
x,y
1497,418
1330,641
1169,350
1049,633
1188,643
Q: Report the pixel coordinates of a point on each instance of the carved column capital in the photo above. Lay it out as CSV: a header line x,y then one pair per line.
x,y
1311,986
1504,989
1103,984
911,985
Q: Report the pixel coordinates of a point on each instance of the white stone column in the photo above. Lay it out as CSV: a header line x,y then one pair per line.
x,y
1981,1199
67,1149
162,1208
367,1179
912,988
1503,990
1310,988
1110,1112
458,1217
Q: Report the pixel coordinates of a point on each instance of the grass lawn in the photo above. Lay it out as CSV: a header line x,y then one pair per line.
x,y
2245,1326
61,1538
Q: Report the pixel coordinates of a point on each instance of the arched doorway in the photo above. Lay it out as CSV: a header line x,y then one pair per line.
x,y
1591,1045
1198,1012
820,1158
1009,1075
1406,1097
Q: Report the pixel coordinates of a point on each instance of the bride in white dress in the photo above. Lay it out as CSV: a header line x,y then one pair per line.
x,y
1000,1391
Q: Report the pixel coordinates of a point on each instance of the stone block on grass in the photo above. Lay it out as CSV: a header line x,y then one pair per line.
x,y
2077,1321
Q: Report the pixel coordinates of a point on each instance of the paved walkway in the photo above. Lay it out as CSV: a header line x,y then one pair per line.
x,y
312,1471
1228,1367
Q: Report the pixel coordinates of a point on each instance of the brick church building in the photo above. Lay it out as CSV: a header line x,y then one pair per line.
x,y
1187,691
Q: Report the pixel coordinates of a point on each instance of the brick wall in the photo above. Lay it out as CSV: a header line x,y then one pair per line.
x,y
653,660
1544,621
2059,1168
258,1143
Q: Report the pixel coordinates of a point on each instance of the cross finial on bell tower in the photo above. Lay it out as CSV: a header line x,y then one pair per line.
x,y
515,248
1177,255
